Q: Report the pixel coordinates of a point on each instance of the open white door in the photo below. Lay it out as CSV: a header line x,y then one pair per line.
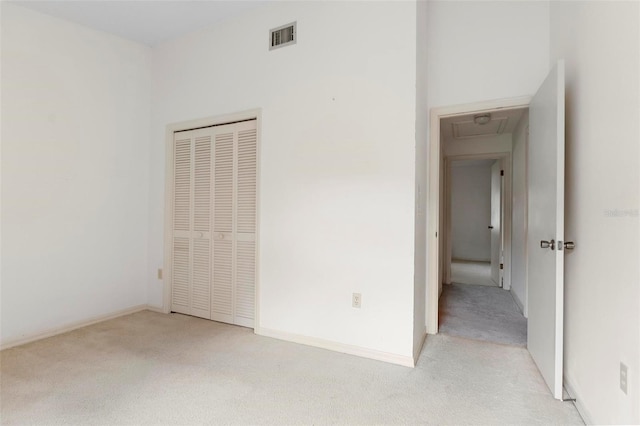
x,y
546,228
496,223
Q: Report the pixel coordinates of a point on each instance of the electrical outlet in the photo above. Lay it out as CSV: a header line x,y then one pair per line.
x,y
159,273
623,378
356,300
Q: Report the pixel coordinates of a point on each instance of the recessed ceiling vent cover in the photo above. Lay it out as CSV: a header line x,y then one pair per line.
x,y
282,36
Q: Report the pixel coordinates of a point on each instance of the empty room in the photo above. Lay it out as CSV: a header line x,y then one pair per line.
x,y
218,212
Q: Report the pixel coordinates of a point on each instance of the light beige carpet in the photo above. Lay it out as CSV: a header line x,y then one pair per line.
x,y
150,368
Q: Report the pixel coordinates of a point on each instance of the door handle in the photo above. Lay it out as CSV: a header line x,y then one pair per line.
x,y
548,244
569,245
490,227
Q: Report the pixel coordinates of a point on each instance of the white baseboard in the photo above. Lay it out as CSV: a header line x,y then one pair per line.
x,y
73,326
471,260
158,309
405,361
574,394
518,301
418,349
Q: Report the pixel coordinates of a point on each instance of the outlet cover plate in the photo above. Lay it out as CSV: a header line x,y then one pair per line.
x,y
356,300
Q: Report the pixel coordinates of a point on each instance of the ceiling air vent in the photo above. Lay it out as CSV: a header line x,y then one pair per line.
x,y
282,36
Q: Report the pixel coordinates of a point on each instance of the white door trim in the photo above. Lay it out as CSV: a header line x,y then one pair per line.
x,y
254,114
434,272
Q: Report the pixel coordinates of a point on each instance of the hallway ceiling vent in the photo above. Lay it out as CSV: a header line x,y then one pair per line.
x,y
285,35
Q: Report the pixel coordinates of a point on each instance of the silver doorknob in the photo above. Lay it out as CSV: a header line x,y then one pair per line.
x,y
548,244
569,245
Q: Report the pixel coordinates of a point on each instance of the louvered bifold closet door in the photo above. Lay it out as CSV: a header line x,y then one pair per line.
x,y
191,259
234,229
222,291
245,224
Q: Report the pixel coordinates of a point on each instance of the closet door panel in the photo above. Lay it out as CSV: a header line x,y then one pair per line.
x,y
222,288
181,244
201,258
245,221
246,182
182,184
181,276
214,223
245,283
191,217
222,298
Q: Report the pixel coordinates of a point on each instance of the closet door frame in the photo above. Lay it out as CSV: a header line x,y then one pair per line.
x,y
254,114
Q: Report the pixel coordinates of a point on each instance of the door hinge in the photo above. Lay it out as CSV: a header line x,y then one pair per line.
x,y
501,172
502,266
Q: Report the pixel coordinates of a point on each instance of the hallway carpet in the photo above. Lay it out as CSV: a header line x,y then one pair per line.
x,y
150,368
469,272
482,313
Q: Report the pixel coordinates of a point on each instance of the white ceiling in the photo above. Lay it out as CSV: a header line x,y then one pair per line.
x,y
145,21
463,127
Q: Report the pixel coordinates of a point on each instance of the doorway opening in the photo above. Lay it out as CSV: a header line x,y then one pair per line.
x,y
474,218
481,231
544,244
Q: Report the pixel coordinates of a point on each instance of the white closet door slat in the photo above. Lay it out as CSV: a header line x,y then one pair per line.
x,y
180,275
245,283
223,183
182,185
246,182
245,225
222,291
201,257
201,287
202,184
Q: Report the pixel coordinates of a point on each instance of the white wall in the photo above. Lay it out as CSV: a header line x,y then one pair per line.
x,y
519,214
337,201
75,132
483,50
600,42
422,123
471,211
